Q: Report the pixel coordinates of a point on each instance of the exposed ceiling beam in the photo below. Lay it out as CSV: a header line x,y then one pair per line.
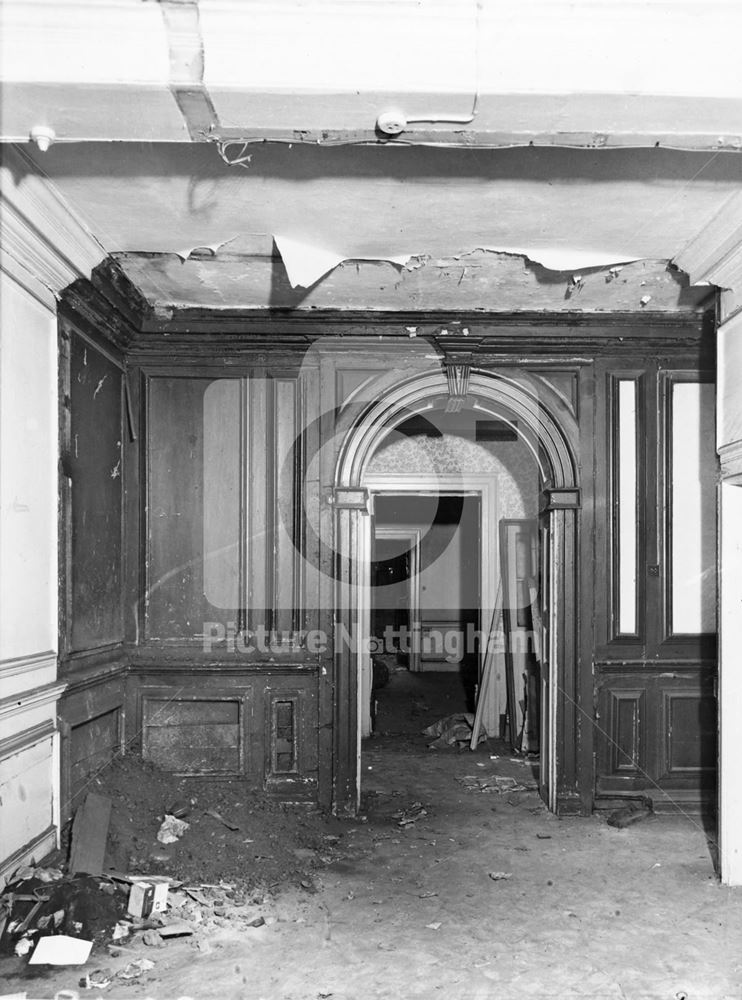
x,y
549,72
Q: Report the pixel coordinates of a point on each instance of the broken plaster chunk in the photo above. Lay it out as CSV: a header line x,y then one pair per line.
x,y
135,969
100,979
172,829
23,946
179,928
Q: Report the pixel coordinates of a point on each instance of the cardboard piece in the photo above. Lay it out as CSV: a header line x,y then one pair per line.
x,y
89,834
59,949
148,895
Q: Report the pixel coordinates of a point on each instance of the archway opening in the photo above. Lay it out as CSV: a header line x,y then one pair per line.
x,y
393,428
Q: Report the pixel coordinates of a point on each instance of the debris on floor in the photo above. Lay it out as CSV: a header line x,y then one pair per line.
x,y
453,730
500,876
139,877
60,949
409,816
172,829
356,936
497,783
633,813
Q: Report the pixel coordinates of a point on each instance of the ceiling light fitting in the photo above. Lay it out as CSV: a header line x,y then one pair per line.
x,y
43,136
394,122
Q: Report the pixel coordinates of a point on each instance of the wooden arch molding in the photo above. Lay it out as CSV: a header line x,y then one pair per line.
x,y
543,420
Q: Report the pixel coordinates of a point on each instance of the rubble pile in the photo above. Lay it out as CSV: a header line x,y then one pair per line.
x,y
150,859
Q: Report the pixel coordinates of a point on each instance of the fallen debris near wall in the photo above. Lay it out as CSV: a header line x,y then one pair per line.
x,y
635,812
223,867
497,783
453,731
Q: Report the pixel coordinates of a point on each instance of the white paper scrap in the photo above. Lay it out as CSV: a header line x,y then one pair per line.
x,y
306,264
59,949
559,258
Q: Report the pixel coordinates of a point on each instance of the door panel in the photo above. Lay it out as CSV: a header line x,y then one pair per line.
x,y
655,682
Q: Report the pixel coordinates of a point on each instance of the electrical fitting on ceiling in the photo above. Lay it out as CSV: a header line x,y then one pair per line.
x,y
395,122
389,125
43,136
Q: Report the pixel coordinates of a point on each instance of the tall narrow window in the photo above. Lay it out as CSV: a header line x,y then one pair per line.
x,y
626,511
692,523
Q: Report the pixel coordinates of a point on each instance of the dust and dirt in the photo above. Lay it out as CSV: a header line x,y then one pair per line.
x,y
235,834
456,882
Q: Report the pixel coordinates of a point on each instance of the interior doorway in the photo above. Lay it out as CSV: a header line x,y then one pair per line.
x,y
425,607
549,432
453,522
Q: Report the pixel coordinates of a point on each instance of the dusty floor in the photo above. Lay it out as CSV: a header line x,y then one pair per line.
x,y
586,910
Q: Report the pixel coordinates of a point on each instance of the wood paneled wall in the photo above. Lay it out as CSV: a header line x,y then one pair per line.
x,y
229,586
94,435
195,640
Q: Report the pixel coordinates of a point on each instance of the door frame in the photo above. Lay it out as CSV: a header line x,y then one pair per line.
x,y
479,484
411,535
549,428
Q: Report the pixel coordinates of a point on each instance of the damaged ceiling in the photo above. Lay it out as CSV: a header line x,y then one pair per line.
x,y
190,230
490,196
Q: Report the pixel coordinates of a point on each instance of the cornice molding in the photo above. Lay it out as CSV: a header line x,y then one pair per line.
x,y
41,235
730,457
714,255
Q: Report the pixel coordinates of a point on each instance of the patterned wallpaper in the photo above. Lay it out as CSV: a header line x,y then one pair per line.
x,y
510,462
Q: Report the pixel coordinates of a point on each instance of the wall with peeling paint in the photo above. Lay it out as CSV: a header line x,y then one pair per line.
x,y
28,578
92,662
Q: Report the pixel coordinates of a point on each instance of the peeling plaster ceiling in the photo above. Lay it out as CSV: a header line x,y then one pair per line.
x,y
564,208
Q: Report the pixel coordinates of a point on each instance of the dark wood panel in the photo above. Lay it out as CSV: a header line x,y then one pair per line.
x,y
89,748
287,463
691,725
565,384
185,760
179,465
284,733
223,457
190,713
656,731
166,742
626,729
93,460
194,736
291,741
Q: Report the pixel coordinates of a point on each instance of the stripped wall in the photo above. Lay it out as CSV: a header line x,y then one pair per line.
x,y
28,560
43,248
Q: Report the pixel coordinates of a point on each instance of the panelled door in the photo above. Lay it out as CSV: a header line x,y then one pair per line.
x,y
655,666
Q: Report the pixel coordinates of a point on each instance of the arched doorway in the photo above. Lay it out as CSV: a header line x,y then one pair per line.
x,y
550,431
